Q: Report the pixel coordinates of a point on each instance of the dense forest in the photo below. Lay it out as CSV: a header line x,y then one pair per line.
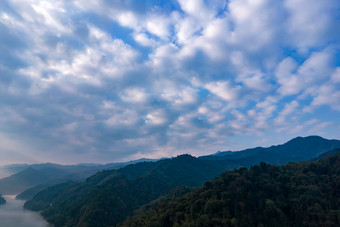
x,y
108,197
295,194
35,178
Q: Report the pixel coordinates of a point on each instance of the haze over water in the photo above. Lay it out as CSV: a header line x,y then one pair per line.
x,y
13,214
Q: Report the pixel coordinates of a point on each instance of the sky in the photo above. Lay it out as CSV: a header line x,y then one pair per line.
x,y
106,81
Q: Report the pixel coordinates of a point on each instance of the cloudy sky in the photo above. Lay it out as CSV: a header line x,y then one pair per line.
x,y
106,81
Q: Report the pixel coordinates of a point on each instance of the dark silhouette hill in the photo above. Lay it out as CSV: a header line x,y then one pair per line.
x,y
297,149
328,153
108,197
44,175
294,194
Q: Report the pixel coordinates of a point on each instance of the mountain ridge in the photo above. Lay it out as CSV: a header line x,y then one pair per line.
x,y
110,196
291,151
46,174
293,194
125,190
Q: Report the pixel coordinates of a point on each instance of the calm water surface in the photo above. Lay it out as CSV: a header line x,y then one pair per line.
x,y
12,214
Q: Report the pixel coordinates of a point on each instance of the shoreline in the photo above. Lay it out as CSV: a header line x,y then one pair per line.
x,y
12,213
9,196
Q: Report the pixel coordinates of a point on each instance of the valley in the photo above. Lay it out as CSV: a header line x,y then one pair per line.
x,y
112,196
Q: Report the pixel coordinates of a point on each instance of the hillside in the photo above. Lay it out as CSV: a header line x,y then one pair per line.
x,y
8,170
328,153
108,197
297,149
31,192
40,176
295,194
44,175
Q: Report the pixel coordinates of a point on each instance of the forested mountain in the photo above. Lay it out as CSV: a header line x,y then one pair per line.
x,y
108,197
9,170
31,192
323,155
23,180
41,176
297,149
294,194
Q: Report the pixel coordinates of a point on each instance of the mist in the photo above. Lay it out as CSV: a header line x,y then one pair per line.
x,y
5,173
13,214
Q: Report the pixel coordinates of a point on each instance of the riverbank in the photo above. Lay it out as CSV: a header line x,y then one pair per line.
x,y
12,213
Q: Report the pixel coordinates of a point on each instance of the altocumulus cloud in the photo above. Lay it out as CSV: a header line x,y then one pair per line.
x,y
105,81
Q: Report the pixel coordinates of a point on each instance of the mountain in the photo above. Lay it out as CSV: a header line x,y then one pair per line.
x,y
41,174
297,149
108,197
294,194
31,192
23,180
328,153
47,174
8,170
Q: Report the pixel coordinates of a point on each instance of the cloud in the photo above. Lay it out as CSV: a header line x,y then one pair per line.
x,y
159,26
336,76
134,95
114,80
144,40
327,95
289,109
223,90
289,82
307,32
316,69
157,117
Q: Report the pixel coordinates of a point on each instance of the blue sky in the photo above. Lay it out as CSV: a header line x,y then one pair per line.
x,y
106,81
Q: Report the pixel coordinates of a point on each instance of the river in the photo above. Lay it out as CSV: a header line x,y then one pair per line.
x,y
12,214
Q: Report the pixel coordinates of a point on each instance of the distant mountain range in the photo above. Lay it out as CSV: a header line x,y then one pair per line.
x,y
117,193
25,176
109,197
294,194
8,170
297,149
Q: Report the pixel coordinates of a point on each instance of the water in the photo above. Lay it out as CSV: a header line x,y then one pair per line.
x,y
12,214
